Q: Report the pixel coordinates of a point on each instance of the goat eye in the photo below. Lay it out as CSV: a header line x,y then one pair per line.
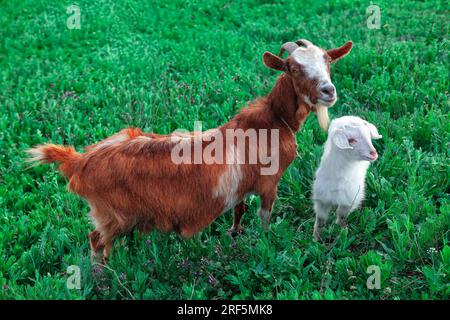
x,y
351,140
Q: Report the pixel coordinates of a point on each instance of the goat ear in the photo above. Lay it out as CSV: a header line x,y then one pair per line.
x,y
274,62
338,53
374,132
340,140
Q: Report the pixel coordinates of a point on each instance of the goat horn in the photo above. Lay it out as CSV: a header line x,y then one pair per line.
x,y
289,47
304,42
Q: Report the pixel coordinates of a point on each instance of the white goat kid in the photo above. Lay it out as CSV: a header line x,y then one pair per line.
x,y
340,178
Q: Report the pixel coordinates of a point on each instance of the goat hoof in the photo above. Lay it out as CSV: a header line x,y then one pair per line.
x,y
98,259
265,227
317,237
233,231
342,223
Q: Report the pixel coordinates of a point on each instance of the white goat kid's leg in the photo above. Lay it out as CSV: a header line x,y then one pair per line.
x,y
322,210
342,213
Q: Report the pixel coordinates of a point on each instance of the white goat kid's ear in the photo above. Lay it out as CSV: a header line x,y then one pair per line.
x,y
340,139
374,132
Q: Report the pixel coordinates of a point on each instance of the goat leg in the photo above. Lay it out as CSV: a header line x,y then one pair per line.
x,y
317,228
239,211
341,215
322,210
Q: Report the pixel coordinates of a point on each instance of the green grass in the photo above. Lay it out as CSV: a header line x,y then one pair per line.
x,y
161,65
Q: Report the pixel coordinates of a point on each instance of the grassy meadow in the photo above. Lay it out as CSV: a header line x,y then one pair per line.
x,y
160,66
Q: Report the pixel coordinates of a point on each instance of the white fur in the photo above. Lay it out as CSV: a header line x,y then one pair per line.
x,y
340,182
307,101
36,154
229,181
340,178
322,116
141,139
115,139
313,61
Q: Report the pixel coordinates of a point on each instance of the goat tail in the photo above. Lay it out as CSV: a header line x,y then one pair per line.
x,y
67,157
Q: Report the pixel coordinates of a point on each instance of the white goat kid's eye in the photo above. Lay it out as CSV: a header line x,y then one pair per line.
x,y
352,140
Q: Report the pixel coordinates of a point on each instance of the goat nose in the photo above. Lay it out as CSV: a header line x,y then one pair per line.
x,y
328,90
374,154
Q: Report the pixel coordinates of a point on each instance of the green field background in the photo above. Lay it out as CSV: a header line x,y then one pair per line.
x,y
161,65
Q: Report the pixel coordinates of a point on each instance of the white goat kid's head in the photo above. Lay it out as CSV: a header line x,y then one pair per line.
x,y
353,136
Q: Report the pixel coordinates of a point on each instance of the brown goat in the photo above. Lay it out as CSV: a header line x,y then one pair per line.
x,y
132,180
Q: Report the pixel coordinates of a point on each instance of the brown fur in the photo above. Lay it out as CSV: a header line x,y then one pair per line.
x,y
131,182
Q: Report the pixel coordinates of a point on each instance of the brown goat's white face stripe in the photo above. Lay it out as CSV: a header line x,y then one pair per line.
x,y
316,68
313,62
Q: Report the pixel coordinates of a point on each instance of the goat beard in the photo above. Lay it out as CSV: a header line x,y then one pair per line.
x,y
322,117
